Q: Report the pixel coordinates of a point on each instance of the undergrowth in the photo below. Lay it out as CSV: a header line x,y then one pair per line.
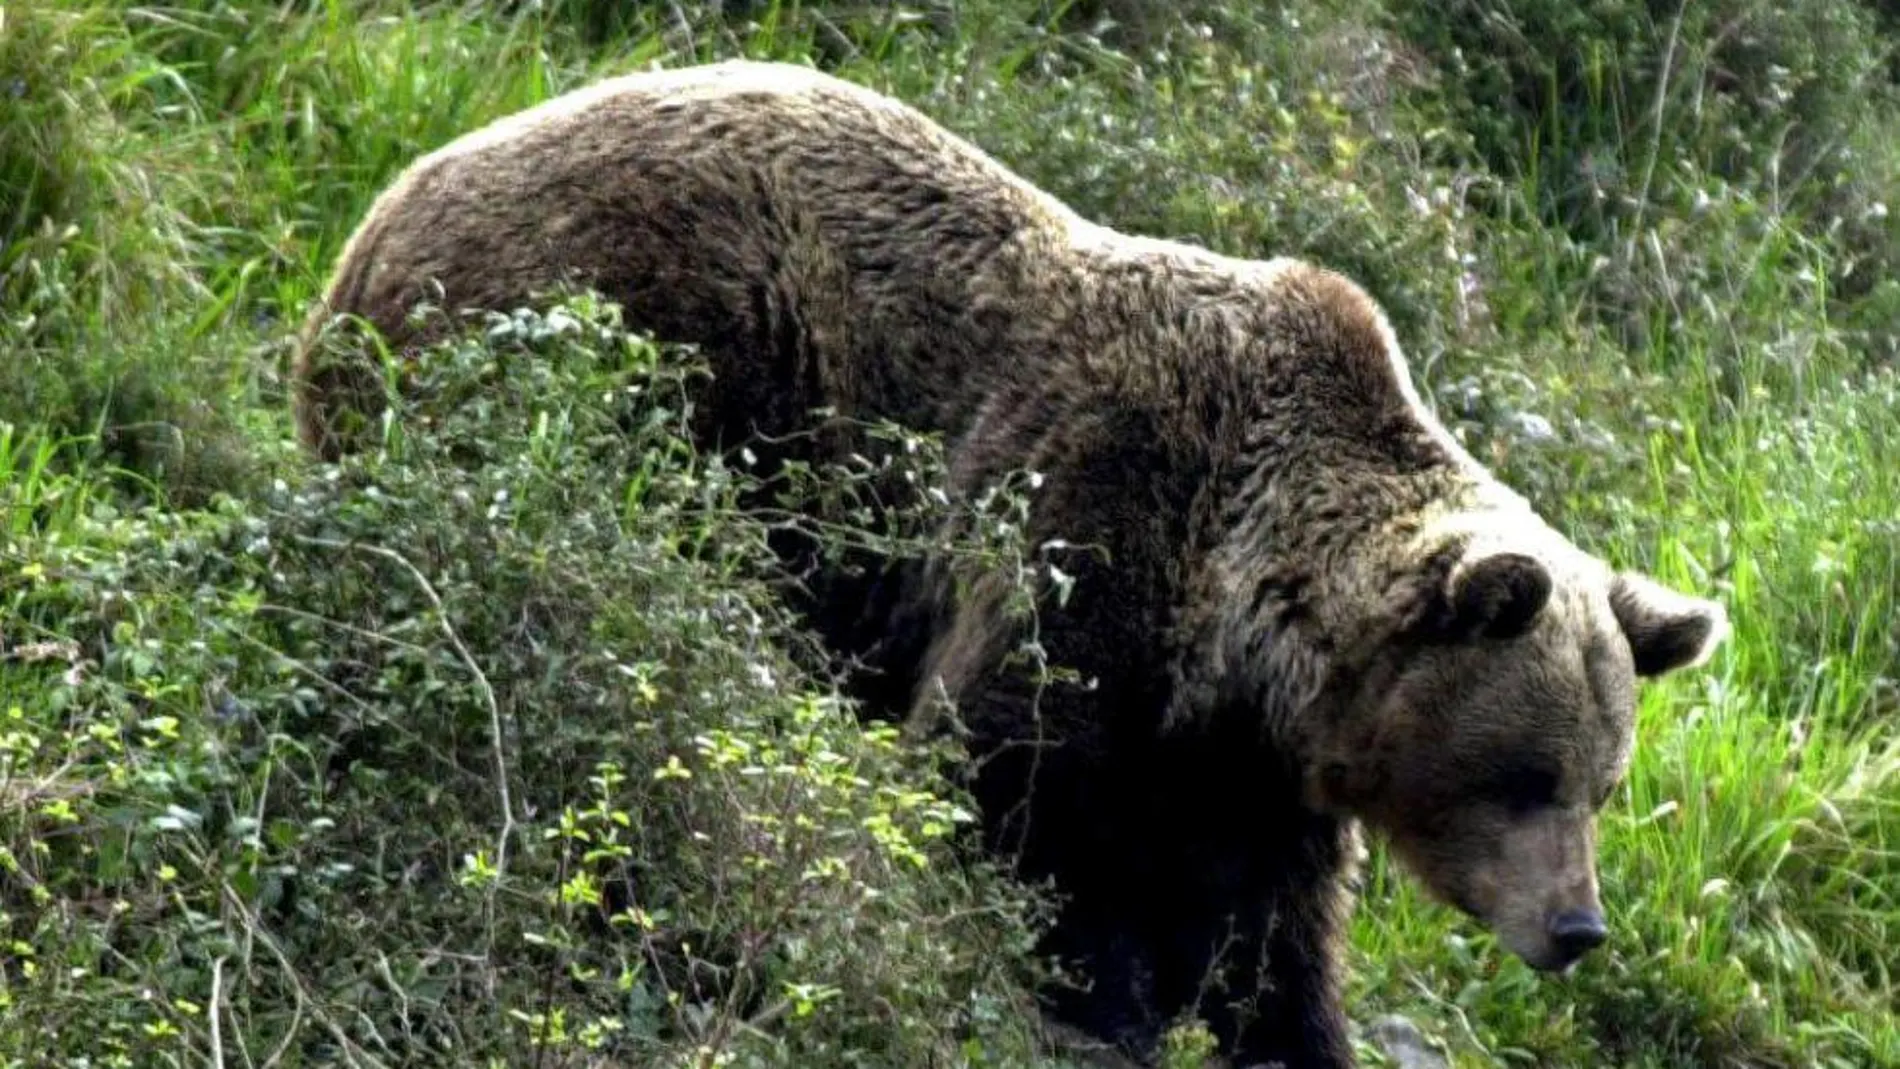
x,y
492,744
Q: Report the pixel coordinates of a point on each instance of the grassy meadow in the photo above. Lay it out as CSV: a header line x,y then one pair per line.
x,y
495,747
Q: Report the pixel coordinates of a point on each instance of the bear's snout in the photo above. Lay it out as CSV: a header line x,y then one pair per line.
x,y
1550,940
1576,932
1529,878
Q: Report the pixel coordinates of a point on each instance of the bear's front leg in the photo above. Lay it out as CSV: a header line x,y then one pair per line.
x,y
1255,951
1298,1019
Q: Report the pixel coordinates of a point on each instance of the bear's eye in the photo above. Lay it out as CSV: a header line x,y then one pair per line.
x,y
1524,787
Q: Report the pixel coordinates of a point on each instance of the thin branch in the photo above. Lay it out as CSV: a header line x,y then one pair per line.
x,y
217,1013
351,1052
1656,116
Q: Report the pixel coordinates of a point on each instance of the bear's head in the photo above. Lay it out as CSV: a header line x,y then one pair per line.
x,y
1482,726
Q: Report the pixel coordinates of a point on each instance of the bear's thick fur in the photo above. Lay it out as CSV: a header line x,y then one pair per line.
x,y
1316,608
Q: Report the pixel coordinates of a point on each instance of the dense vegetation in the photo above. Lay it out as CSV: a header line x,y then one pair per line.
x,y
495,747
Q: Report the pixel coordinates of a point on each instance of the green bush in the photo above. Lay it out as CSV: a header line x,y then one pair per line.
x,y
492,742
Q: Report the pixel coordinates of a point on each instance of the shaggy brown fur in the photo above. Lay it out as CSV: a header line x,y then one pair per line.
x,y
1319,609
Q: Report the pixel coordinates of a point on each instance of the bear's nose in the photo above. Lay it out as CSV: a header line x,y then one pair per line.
x,y
1577,932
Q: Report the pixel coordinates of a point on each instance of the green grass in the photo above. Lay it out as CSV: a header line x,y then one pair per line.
x,y
249,775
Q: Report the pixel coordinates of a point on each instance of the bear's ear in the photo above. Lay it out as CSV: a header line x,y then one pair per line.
x,y
1666,630
1497,595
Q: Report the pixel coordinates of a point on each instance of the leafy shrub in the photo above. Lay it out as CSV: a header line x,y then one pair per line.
x,y
1594,96
493,746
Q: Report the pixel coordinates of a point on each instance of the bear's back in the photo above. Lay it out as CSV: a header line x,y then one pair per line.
x,y
682,159
762,211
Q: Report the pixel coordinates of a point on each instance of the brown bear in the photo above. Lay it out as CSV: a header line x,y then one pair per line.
x,y
1315,609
